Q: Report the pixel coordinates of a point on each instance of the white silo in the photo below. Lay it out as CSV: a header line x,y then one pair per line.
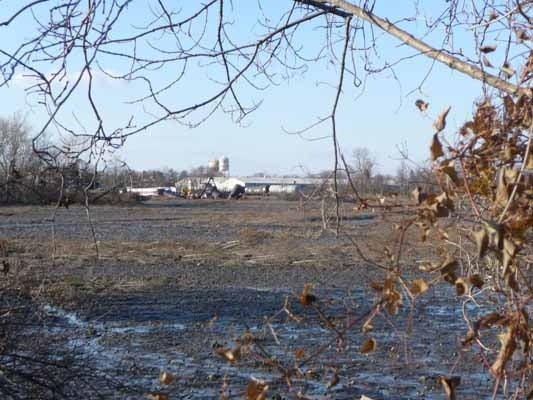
x,y
223,165
213,165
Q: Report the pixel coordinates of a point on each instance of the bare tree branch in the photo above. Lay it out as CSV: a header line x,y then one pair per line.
x,y
425,49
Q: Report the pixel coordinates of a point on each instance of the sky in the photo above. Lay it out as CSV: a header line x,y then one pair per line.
x,y
382,117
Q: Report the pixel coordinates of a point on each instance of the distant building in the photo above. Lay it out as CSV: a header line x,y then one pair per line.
x,y
253,184
152,191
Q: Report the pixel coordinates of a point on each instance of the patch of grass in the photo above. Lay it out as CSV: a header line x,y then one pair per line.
x,y
253,237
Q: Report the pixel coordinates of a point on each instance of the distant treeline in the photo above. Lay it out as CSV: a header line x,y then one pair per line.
x,y
27,177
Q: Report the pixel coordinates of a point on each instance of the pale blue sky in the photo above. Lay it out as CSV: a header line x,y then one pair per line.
x,y
380,119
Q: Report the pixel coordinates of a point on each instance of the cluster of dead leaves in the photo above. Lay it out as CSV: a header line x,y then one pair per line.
x,y
506,68
447,270
432,206
496,167
390,297
515,333
490,169
504,246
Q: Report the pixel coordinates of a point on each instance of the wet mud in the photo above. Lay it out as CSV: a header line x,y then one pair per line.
x,y
136,336
134,314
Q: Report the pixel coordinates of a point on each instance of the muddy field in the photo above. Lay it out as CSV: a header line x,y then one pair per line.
x,y
170,285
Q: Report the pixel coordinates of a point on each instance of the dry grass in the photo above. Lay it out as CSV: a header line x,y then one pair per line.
x,y
4,248
218,234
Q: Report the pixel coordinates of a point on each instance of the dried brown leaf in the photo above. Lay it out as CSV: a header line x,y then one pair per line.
x,y
419,286
306,297
508,103
489,320
461,287
392,307
507,348
502,190
299,353
511,175
422,105
436,148
448,268
442,205
447,167
484,322
166,378
470,337
527,71
510,280
507,154
256,390
486,62
521,35
334,380
495,232
440,122
487,49
481,238
476,280
529,395
157,396
368,346
230,355
449,384
509,252
391,297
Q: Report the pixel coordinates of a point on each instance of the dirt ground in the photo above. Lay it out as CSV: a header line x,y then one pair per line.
x,y
167,285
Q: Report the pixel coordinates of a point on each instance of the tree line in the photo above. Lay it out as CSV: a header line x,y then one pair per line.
x,y
27,178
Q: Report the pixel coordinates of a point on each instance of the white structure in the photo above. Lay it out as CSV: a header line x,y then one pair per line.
x,y
223,165
254,185
257,185
227,185
213,165
152,191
